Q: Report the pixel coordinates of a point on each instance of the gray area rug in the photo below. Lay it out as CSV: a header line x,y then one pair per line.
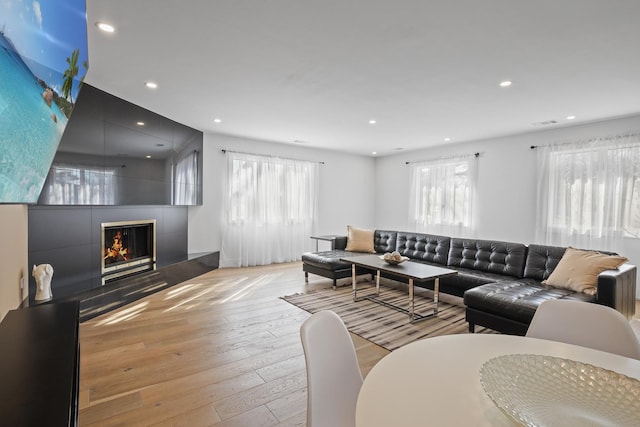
x,y
382,325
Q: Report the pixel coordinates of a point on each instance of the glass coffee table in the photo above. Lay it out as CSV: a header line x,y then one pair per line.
x,y
415,272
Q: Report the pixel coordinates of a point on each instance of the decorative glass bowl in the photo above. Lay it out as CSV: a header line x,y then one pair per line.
x,y
393,261
539,390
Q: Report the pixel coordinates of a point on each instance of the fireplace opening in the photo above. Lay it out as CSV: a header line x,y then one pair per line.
x,y
128,247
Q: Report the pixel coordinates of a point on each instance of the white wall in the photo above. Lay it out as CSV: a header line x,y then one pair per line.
x,y
13,262
506,186
346,196
506,181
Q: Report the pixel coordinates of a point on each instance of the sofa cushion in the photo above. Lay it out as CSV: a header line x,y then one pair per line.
x,y
516,300
359,240
384,241
491,256
468,278
541,261
423,247
328,260
578,270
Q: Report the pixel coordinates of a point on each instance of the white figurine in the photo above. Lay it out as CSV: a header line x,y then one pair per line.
x,y
43,274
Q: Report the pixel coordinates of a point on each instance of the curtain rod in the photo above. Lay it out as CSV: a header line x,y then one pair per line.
x,y
604,138
476,154
270,155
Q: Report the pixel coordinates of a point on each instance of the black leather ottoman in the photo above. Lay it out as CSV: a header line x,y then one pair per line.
x,y
508,307
327,264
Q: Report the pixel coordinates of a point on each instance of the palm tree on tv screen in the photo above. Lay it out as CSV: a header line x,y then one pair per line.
x,y
70,74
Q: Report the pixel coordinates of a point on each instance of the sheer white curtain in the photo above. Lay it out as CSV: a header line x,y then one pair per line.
x,y
589,193
270,209
185,181
442,197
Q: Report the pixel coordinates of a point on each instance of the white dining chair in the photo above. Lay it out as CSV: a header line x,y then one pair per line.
x,y
585,324
333,374
635,325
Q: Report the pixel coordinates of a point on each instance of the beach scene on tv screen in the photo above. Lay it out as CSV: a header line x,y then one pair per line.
x,y
43,60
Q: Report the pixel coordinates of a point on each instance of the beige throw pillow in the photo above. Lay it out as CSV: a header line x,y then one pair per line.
x,y
359,240
578,270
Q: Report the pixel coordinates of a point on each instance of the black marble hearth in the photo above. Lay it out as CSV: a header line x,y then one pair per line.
x,y
127,290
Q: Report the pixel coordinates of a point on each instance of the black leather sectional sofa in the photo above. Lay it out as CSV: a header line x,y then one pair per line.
x,y
500,282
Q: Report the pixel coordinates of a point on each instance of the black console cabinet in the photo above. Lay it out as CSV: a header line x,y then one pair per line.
x,y
39,366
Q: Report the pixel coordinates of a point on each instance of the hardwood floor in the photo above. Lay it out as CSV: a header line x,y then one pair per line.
x,y
221,349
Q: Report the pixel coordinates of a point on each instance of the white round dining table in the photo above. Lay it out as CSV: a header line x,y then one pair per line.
x,y
436,381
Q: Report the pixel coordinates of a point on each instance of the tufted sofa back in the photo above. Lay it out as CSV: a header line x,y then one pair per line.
x,y
423,247
484,255
384,241
542,260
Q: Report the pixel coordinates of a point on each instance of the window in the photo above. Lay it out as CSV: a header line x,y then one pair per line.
x,y
270,192
270,209
589,193
442,195
185,181
76,185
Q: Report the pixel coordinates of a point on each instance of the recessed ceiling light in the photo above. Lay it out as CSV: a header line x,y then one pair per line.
x,y
506,83
148,157
447,139
140,123
151,85
372,122
374,152
571,117
107,28
217,120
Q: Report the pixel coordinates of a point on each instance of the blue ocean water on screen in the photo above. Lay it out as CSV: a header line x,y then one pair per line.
x,y
29,136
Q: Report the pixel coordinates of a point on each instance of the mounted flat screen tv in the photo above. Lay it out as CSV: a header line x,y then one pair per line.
x,y
43,59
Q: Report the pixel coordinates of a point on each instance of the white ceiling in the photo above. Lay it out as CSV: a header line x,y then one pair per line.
x,y
319,70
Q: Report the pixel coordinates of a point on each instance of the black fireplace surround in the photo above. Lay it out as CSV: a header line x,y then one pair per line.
x,y
70,239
